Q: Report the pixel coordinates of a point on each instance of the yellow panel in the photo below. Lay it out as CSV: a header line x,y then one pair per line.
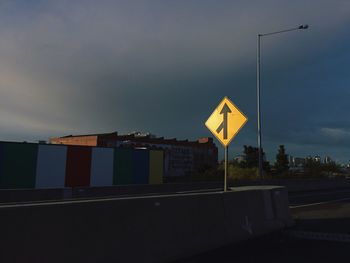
x,y
226,121
155,167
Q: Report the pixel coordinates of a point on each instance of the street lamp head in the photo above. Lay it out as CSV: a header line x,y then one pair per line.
x,y
303,26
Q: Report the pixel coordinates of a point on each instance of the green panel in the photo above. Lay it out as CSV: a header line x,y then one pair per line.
x,y
19,165
122,173
156,167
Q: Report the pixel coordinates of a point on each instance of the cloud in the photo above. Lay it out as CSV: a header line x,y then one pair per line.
x,y
336,134
162,66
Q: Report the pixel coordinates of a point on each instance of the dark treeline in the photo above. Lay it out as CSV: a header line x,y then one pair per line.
x,y
245,167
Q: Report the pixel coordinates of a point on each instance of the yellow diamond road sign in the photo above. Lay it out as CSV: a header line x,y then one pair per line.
x,y
226,121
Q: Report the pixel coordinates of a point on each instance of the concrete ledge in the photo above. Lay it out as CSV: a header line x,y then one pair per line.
x,y
292,185
26,195
140,229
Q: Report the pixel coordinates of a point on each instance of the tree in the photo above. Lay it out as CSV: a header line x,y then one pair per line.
x,y
282,163
251,156
312,167
315,168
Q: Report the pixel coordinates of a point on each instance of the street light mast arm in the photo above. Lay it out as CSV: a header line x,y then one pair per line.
x,y
286,30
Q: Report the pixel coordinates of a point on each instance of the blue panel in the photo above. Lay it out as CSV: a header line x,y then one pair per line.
x,y
102,167
51,166
140,166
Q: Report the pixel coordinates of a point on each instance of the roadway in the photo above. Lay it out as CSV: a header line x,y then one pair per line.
x,y
311,198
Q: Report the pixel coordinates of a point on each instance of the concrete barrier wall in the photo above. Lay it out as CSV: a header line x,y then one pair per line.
x,y
26,195
293,185
30,165
139,229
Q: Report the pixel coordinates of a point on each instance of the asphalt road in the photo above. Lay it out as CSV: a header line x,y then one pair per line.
x,y
278,248
313,197
321,234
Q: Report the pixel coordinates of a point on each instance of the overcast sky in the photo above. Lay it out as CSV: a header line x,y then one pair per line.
x,y
77,67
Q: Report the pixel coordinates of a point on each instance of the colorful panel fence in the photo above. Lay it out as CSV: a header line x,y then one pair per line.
x,y
29,165
18,165
51,166
102,167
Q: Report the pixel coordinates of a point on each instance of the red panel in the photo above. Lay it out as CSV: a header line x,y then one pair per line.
x,y
78,166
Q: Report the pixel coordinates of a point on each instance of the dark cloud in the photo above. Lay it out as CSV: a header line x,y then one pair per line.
x,y
86,66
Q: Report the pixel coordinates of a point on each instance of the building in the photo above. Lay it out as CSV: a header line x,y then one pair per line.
x,y
181,157
328,160
239,159
296,162
317,159
291,161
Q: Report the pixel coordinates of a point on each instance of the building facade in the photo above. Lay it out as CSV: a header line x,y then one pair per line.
x,y
181,157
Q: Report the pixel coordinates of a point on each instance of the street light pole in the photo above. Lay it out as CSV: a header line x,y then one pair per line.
x,y
258,90
258,107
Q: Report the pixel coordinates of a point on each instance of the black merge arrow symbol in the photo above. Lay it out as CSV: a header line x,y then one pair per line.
x,y
223,126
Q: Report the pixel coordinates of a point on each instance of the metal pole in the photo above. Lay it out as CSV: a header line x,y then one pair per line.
x,y
258,89
226,169
258,106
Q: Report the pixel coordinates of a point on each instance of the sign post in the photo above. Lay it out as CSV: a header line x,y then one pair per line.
x,y
226,168
225,122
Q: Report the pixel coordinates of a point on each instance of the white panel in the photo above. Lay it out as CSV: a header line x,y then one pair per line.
x,y
102,167
51,166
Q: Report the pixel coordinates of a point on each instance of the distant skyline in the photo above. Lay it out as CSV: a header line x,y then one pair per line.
x,y
80,67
